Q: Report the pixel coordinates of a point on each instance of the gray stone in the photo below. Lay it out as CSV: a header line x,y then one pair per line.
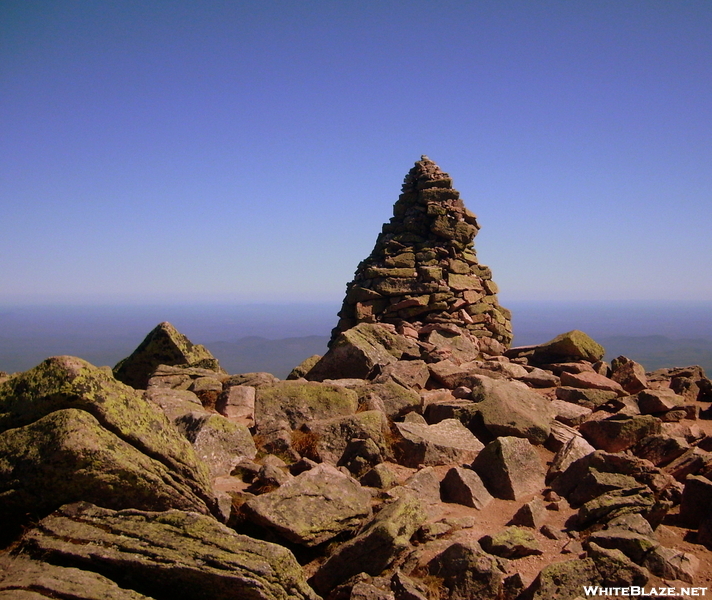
x,y
443,443
312,508
511,542
511,409
464,486
237,403
510,468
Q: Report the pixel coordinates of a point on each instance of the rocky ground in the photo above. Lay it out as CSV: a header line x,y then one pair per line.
x,y
446,472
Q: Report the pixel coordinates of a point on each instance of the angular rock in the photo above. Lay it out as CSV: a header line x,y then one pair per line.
x,y
312,508
174,403
467,572
661,449
560,435
568,413
616,568
657,401
452,375
446,442
596,483
689,382
696,500
570,346
672,564
360,353
389,397
331,436
619,432
164,345
379,542
690,462
173,553
510,468
218,442
304,367
381,476
237,403
425,485
634,545
630,374
533,514
575,448
614,504
511,542
464,486
512,409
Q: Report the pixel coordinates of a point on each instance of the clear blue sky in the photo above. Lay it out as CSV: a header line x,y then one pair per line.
x,y
178,151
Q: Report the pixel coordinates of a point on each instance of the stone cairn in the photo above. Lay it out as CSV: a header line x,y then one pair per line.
x,y
423,268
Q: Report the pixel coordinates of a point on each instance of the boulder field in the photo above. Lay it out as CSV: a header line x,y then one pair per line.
x,y
421,458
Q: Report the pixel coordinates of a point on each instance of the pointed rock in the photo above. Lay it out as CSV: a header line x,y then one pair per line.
x,y
165,345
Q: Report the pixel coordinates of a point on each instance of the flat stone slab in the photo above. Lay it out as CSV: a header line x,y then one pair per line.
x,y
444,443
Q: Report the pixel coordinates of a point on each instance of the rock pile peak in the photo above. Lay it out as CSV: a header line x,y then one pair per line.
x,y
424,269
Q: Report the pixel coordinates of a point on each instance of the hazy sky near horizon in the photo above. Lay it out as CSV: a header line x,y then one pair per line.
x,y
180,151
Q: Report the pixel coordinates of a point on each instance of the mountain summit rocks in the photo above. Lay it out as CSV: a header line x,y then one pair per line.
x,y
423,268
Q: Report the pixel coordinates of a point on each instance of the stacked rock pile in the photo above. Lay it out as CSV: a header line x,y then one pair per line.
x,y
423,268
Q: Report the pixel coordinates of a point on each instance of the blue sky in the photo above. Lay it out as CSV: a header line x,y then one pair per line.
x,y
248,151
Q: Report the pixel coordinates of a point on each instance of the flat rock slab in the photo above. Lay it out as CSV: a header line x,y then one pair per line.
x,y
511,468
591,380
511,542
167,554
446,442
312,508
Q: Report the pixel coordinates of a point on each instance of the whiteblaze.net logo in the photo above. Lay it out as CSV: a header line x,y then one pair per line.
x,y
634,590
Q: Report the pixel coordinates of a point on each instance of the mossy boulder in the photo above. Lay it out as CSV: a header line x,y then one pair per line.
x,y
172,554
298,402
571,346
66,382
304,367
389,397
565,580
511,542
164,345
68,456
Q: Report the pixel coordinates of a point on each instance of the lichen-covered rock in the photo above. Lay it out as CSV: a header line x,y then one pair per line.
x,y
173,553
672,564
510,468
298,402
446,442
220,443
66,382
304,367
630,374
565,580
570,346
25,579
330,437
512,409
67,456
359,351
380,541
312,508
389,397
164,345
511,542
615,503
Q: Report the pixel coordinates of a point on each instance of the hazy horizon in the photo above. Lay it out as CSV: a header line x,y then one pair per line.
x,y
105,334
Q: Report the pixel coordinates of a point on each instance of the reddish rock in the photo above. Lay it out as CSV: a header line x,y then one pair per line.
x,y
590,380
630,374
